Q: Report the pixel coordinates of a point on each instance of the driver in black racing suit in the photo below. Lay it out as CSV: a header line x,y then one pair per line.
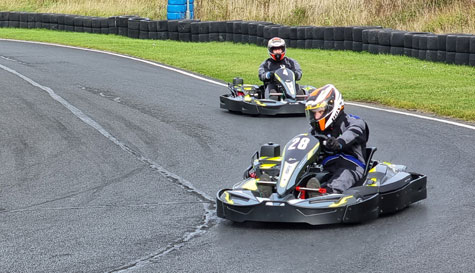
x,y
347,134
276,49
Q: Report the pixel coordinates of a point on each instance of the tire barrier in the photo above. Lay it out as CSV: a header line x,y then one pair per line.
x,y
449,48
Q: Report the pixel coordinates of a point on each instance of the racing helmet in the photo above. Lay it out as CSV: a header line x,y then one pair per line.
x,y
327,99
274,43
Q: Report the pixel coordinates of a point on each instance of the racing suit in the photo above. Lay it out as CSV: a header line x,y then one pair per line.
x,y
271,65
348,164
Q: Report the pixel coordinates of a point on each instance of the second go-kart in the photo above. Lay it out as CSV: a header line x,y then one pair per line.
x,y
273,189
249,99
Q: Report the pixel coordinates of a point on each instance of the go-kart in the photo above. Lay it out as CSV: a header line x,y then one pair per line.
x,y
274,188
289,97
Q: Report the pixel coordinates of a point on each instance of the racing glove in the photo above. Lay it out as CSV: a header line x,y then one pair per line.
x,y
333,144
269,75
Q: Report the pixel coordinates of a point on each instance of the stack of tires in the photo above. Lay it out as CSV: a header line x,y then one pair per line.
x,y
176,9
448,48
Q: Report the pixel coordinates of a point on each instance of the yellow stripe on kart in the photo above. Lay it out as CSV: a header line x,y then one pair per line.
x,y
258,102
267,166
277,158
341,202
250,185
228,199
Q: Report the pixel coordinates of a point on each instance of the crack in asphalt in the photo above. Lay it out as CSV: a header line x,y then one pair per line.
x,y
209,217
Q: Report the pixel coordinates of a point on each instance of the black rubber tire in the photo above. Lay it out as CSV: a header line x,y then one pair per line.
x,y
308,33
422,42
173,35
422,53
184,27
284,32
121,31
318,33
397,38
328,44
252,29
267,32
133,33
300,33
441,54
134,24
253,39
173,26
442,41
431,55
195,38
24,17
364,47
308,44
471,60
274,31
237,27
14,16
183,36
328,34
95,22
432,42
260,30
293,33
463,45
237,38
357,46
229,37
153,35
213,37
261,41
104,30
143,25
162,26
300,43
348,45
195,27
396,50
293,43
317,44
450,57
462,58
451,43
214,27
373,48
222,27
245,27
245,38
373,36
339,33
162,35
203,27
472,44
143,35
384,37
339,45
71,29
348,34
364,36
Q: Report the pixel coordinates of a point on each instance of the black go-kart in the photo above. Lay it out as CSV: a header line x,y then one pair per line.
x,y
289,97
274,188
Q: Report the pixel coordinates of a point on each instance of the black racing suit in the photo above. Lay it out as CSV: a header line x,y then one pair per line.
x,y
346,166
271,65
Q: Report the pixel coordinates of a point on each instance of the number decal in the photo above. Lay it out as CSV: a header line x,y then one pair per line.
x,y
294,142
302,143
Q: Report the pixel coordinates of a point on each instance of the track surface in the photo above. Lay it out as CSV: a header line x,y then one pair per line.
x,y
106,188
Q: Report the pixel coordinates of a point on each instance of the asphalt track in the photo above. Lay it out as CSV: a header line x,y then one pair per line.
x,y
111,165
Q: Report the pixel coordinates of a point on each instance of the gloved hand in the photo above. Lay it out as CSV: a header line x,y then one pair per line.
x,y
269,75
332,144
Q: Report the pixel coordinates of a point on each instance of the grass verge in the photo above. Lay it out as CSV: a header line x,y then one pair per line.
x,y
397,81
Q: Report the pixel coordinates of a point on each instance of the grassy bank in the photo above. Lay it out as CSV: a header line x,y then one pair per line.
x,y
446,90
439,16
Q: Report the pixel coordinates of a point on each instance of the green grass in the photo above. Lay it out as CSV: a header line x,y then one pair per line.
x,y
397,81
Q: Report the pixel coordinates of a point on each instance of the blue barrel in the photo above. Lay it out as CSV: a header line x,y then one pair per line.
x,y
176,9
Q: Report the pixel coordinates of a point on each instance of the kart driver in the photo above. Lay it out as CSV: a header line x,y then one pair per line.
x,y
276,49
346,145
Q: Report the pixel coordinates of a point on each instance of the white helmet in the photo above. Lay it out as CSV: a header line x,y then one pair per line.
x,y
326,98
274,43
